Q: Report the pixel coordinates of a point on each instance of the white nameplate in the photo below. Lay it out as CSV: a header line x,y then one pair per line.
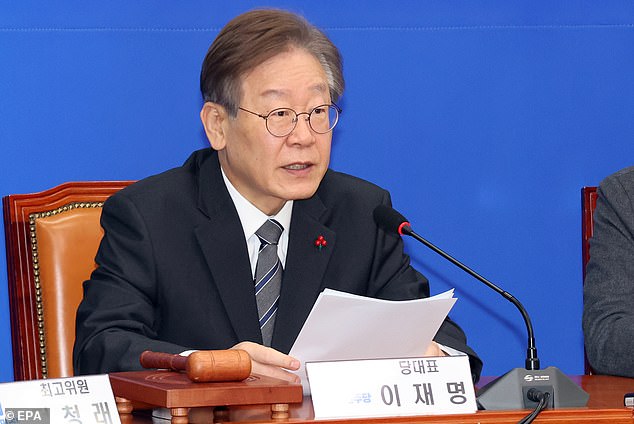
x,y
86,399
391,387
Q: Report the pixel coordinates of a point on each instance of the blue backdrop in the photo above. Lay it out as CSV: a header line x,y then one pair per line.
x,y
484,119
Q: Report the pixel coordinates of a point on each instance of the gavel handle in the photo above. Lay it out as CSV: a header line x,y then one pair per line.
x,y
203,366
162,360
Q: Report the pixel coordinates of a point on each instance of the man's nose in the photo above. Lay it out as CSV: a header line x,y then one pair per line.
x,y
302,133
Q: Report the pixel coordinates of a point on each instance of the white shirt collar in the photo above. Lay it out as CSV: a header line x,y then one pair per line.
x,y
252,218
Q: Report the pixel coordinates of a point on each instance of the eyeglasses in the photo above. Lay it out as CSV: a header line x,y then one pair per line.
x,y
282,121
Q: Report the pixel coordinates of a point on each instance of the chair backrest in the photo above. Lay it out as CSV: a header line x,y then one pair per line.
x,y
588,204
51,241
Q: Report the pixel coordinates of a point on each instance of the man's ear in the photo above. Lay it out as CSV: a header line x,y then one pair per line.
x,y
213,117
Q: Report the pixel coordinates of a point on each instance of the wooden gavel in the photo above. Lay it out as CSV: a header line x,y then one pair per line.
x,y
203,365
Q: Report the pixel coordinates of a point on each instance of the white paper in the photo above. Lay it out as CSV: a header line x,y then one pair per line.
x,y
346,326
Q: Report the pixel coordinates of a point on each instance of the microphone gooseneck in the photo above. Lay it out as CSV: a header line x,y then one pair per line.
x,y
392,221
518,388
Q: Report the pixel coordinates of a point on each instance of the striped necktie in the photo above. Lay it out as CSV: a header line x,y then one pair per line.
x,y
268,277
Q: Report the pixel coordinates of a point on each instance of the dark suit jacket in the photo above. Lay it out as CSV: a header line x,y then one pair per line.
x,y
174,271
608,307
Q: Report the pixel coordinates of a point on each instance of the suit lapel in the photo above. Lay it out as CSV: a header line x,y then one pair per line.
x,y
304,272
225,251
223,246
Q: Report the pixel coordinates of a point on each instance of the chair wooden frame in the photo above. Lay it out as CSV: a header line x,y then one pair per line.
x,y
25,302
588,204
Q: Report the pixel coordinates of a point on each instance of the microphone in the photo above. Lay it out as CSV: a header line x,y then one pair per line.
x,y
392,221
515,389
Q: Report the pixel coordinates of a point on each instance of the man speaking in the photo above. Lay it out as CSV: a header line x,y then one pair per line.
x,y
233,248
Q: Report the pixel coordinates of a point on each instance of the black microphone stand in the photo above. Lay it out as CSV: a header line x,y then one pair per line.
x,y
513,389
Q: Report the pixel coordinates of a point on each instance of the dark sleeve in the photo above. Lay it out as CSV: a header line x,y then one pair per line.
x,y
116,319
608,313
392,266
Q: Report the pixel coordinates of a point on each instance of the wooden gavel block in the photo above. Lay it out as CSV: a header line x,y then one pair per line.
x,y
203,366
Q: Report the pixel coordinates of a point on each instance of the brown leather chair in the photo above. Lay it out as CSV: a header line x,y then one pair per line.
x,y
588,204
51,241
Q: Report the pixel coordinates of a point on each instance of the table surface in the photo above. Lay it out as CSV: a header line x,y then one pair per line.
x,y
605,405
